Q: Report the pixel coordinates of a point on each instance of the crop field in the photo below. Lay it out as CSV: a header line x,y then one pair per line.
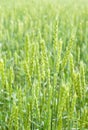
x,y
44,65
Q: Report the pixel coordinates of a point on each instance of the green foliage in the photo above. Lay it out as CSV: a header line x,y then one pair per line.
x,y
43,65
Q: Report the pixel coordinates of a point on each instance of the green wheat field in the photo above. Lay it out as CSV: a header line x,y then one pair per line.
x,y
43,64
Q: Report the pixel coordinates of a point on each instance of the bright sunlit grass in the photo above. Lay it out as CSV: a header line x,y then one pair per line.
x,y
44,65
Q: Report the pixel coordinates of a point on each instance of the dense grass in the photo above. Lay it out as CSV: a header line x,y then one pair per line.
x,y
44,65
